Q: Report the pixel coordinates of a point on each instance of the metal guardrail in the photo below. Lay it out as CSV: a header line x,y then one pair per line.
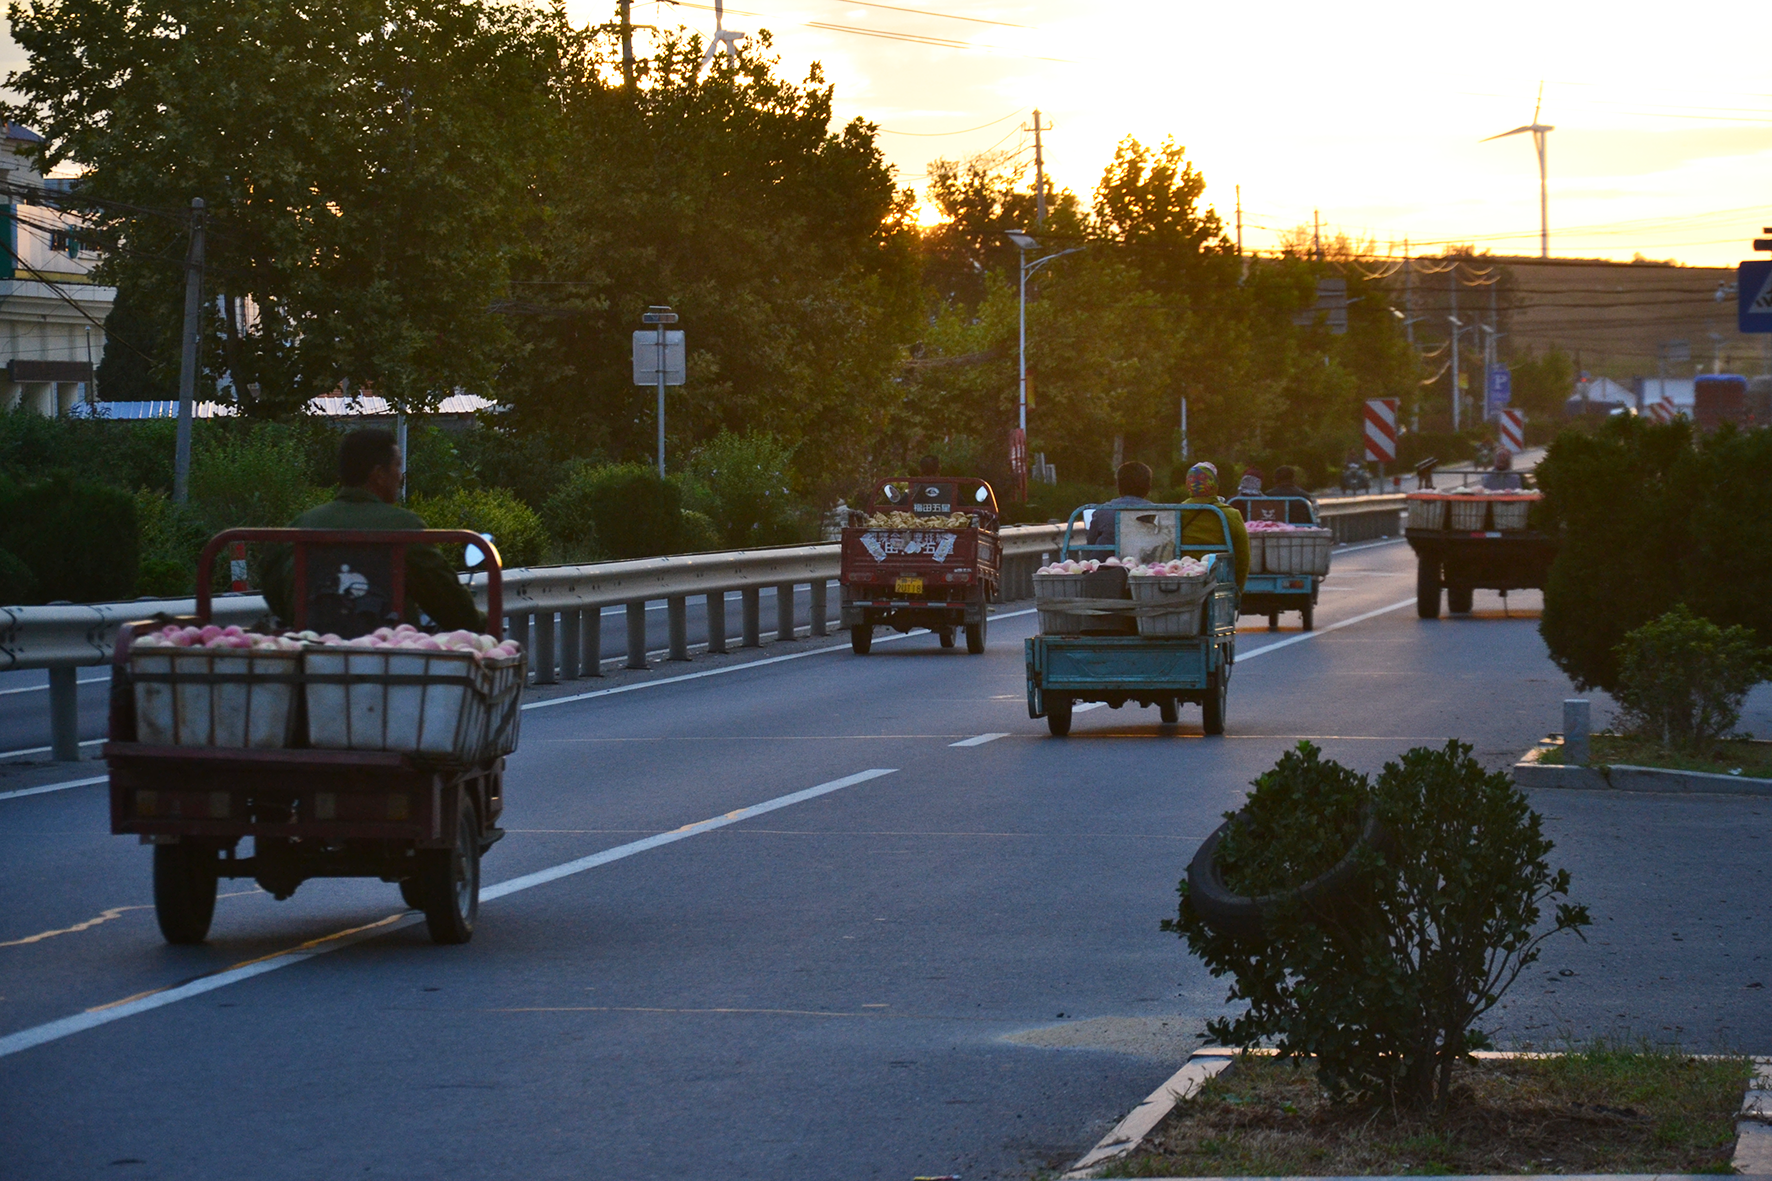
x,y
549,607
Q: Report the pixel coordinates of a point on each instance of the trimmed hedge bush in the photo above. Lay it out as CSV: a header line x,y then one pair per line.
x,y
623,510
515,529
78,539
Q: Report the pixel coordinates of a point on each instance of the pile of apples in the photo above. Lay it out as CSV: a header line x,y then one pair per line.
x,y
1271,527
1179,568
405,636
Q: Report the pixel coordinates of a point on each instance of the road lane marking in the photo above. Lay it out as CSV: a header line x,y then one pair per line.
x,y
980,740
49,787
1083,707
115,912
45,688
732,668
1354,549
1323,631
43,750
144,1002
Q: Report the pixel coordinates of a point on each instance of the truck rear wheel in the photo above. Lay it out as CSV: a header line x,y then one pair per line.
x,y
184,891
451,882
975,633
1169,710
947,636
1058,714
1427,589
1212,709
861,639
1458,599
1309,614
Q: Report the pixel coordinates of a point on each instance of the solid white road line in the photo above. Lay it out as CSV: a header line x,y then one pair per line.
x,y
43,750
49,787
1311,635
980,740
1354,549
45,688
26,1039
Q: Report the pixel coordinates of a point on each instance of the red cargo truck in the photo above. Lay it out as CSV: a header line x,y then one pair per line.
x,y
924,553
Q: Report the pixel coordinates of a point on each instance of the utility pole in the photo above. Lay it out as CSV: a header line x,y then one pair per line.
x,y
1452,278
187,369
1317,233
627,44
1039,176
1409,331
1239,221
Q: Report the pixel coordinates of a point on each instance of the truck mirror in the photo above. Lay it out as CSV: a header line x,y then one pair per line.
x,y
983,494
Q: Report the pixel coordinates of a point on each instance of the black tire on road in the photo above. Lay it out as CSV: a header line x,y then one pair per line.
x,y
975,634
1212,709
184,891
861,639
1229,913
1427,589
450,884
1273,621
1458,599
1058,714
1169,710
947,636
1309,615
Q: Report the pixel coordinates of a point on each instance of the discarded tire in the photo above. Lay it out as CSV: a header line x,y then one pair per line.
x,y
1233,914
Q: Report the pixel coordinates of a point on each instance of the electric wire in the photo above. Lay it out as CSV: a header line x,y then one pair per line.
x,y
968,131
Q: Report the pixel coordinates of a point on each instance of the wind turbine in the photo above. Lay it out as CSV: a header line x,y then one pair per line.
x,y
1539,131
722,37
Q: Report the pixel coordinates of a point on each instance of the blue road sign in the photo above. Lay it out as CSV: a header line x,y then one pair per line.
x,y
1501,388
1753,291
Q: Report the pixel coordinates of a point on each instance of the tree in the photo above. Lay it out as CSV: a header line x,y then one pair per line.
x,y
366,165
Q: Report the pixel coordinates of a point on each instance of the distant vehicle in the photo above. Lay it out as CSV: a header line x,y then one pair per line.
x,y
925,553
1355,480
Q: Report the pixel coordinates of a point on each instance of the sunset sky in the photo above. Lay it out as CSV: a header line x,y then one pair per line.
x,y
1371,111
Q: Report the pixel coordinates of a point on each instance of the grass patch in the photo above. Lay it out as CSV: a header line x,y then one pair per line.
x,y
1601,1110
1751,759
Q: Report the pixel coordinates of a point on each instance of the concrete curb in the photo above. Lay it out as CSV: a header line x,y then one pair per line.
x,y
1530,773
1753,1125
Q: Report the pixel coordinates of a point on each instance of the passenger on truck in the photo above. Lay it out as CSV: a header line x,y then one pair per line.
x,y
370,473
1503,478
1286,484
1200,529
1134,483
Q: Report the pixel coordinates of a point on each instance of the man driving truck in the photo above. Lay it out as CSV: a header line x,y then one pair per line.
x,y
370,472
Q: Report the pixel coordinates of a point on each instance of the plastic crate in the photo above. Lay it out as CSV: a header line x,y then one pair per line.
x,y
445,704
1181,594
1467,514
1427,512
1052,588
1300,551
224,697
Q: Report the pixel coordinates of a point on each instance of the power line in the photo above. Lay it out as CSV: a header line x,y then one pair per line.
x,y
968,131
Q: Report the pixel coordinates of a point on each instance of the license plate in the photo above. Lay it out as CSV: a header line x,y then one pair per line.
x,y
907,585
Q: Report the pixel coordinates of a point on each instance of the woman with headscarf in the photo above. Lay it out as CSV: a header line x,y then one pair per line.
x,y
1201,529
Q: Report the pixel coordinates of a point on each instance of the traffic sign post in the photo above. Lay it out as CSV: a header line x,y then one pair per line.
x,y
1499,391
1381,431
660,358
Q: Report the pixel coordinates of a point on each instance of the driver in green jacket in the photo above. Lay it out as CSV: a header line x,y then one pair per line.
x,y
370,472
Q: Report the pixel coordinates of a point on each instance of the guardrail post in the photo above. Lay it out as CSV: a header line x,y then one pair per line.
x,y
677,607
749,607
591,642
637,634
716,622
820,609
517,628
784,611
64,713
569,644
544,648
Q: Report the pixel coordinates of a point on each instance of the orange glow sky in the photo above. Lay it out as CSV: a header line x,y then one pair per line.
x,y
1370,110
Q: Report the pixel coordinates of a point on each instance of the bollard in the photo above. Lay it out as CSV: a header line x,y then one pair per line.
x,y
64,713
677,609
1575,731
637,634
542,654
716,622
570,643
820,609
784,611
750,610
591,641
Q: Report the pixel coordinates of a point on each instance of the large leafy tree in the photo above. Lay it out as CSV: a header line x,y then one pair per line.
x,y
367,167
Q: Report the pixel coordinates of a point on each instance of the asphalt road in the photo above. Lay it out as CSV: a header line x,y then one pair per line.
x,y
950,965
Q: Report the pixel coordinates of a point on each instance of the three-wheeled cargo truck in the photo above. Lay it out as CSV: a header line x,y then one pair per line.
x,y
337,760
924,553
1286,568
1470,538
1116,637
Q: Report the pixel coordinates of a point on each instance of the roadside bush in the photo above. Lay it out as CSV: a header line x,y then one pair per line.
x,y
1682,679
624,510
77,538
516,530
171,536
1385,994
699,533
17,584
1051,502
748,494
256,479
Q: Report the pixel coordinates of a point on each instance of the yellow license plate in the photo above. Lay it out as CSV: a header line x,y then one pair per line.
x,y
907,586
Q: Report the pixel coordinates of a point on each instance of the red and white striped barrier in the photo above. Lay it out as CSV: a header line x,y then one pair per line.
x,y
1513,430
1381,430
1662,411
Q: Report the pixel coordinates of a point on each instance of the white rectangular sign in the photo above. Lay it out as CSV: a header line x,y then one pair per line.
x,y
646,357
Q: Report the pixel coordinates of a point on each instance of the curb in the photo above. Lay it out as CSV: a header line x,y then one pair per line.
x,y
1753,1124
1530,773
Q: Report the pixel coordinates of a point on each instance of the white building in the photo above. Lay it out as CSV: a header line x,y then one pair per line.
x,y
52,314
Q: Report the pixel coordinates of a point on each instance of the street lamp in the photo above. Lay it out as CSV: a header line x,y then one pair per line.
x,y
1024,242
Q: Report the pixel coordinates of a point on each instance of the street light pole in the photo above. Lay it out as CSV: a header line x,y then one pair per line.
x,y
1023,243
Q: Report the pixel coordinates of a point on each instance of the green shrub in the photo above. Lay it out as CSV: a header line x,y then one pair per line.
x,y
699,534
624,510
257,479
1682,679
516,530
1051,502
77,538
1386,996
172,536
748,482
17,584
1302,818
